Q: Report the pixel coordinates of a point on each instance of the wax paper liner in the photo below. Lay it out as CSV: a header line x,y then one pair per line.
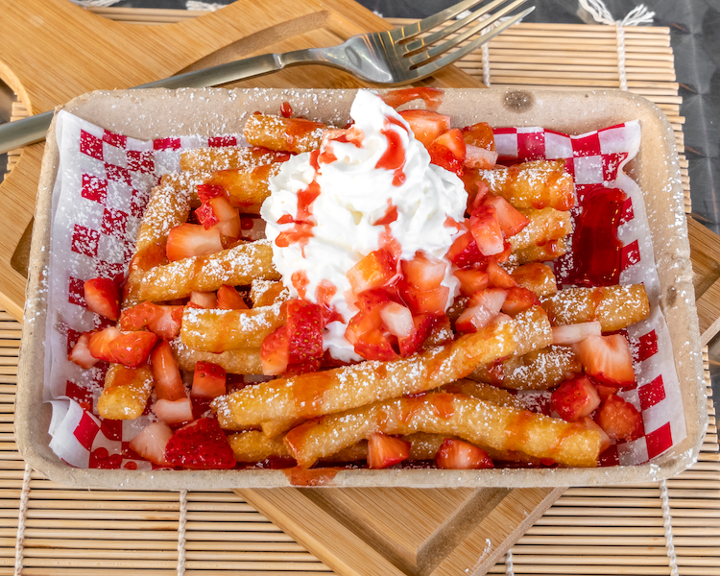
x,y
104,182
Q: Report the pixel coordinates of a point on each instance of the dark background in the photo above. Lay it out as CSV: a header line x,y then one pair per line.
x,y
695,39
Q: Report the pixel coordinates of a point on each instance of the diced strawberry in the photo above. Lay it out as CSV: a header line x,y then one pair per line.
x,y
608,359
174,412
440,331
476,157
503,256
209,380
422,327
374,271
80,354
229,299
187,240
206,216
458,455
168,382
575,399
138,316
605,391
510,219
99,343
499,278
167,322
397,319
150,443
453,141
206,192
372,299
132,348
590,424
363,322
487,232
384,451
373,345
464,252
427,301
227,216
102,297
518,300
424,271
448,152
200,445
304,330
426,125
471,281
620,419
573,333
480,135
203,299
274,352
483,307
431,96
476,202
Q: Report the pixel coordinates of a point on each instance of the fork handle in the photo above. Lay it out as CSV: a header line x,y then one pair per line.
x,y
33,129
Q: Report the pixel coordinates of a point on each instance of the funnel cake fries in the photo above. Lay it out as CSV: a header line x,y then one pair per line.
x,y
481,423
393,260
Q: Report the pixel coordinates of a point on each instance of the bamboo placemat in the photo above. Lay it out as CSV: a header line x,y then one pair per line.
x,y
609,530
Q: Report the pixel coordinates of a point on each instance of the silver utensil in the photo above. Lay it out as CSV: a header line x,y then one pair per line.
x,y
397,56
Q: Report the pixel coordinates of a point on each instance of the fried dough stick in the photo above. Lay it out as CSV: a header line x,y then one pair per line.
x,y
313,394
267,293
284,134
169,206
217,330
545,225
536,277
126,392
615,307
534,184
247,188
537,370
542,253
241,361
235,267
229,158
479,422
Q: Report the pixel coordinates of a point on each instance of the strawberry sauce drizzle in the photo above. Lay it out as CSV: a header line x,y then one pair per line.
x,y
394,157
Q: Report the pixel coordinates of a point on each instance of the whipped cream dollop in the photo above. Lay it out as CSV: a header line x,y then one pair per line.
x,y
322,212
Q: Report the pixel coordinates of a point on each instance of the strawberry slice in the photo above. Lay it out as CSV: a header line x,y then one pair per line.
x,y
453,141
374,271
397,319
575,399
229,299
590,424
174,412
373,345
480,135
471,281
510,219
458,455
499,278
476,157
206,192
188,240
483,307
426,301
102,297
304,330
426,125
464,252
574,333
138,316
274,352
620,419
200,445
167,322
608,359
132,348
209,380
80,354
486,231
422,327
424,271
431,96
99,343
384,451
203,299
519,299
304,368
448,151
150,443
168,382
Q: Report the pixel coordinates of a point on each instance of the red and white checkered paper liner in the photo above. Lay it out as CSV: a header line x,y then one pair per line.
x,y
103,185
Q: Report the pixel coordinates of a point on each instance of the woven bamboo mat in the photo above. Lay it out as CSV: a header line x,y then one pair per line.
x,y
667,528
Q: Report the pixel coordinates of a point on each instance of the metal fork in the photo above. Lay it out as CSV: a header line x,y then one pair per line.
x,y
394,57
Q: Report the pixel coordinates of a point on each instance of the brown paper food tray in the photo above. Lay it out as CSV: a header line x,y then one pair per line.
x,y
160,113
